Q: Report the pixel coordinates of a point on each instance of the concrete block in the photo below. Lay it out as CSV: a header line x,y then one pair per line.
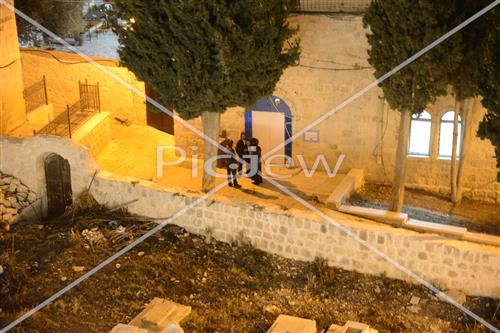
x,y
159,314
122,328
289,324
440,229
351,327
384,216
351,182
482,238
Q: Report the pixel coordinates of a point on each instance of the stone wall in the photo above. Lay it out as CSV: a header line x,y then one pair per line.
x,y
14,198
64,70
12,107
333,67
95,133
294,234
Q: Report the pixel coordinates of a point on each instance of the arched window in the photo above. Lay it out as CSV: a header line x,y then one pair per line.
x,y
420,134
446,135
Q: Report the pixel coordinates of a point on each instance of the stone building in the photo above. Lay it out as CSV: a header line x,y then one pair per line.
x,y
333,67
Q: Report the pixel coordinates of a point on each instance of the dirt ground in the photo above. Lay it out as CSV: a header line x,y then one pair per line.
x,y
475,216
230,287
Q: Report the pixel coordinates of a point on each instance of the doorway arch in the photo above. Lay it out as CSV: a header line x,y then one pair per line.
x,y
271,104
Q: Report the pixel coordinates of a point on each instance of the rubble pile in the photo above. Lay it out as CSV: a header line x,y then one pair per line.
x,y
14,197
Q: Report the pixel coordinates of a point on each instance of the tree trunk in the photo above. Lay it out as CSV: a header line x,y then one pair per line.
x,y
453,171
211,128
398,185
468,108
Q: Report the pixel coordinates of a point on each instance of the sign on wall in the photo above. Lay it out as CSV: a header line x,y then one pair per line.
x,y
311,136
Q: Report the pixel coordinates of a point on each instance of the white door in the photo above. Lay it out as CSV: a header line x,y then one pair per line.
x,y
269,129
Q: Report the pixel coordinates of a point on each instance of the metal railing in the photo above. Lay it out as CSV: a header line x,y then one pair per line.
x,y
69,121
331,6
36,95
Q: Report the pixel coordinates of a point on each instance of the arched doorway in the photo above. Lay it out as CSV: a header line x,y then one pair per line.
x,y
270,121
58,183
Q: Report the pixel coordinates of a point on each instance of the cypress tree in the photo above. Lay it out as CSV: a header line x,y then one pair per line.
x,y
489,87
204,56
399,29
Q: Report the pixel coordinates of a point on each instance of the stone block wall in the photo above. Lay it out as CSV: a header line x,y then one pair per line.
x,y
63,71
12,107
300,235
295,234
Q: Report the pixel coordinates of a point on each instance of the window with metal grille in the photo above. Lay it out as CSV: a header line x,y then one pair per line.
x,y
420,135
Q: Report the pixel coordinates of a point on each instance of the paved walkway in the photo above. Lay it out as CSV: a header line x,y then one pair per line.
x,y
132,152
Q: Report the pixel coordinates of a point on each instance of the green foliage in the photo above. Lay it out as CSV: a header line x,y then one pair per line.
x,y
62,18
207,55
399,29
489,87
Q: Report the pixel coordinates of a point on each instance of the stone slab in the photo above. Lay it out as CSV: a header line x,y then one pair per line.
x,y
351,182
351,327
159,313
122,328
384,216
482,238
441,229
289,324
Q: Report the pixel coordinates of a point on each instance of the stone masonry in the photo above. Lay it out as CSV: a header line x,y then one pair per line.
x,y
14,197
296,234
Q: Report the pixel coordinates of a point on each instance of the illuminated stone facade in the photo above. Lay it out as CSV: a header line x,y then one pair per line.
x,y
12,107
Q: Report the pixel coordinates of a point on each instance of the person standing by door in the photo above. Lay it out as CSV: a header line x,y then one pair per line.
x,y
255,152
241,151
231,165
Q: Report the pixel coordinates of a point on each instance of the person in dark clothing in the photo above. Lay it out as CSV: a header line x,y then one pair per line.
x,y
231,165
242,150
256,157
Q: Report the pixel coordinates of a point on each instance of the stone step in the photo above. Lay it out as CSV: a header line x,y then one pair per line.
x,y
441,229
384,216
351,327
289,324
159,313
351,182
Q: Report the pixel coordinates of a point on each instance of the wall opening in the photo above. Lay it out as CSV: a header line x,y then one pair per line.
x,y
58,185
270,121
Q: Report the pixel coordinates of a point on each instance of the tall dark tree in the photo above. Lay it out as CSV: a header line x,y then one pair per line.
x,y
398,30
203,57
469,44
60,17
489,86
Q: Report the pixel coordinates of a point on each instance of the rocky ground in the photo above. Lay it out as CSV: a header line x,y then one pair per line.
x,y
231,287
475,216
14,198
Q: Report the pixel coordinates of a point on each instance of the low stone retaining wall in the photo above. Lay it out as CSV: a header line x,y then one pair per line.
x,y
296,234
449,264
